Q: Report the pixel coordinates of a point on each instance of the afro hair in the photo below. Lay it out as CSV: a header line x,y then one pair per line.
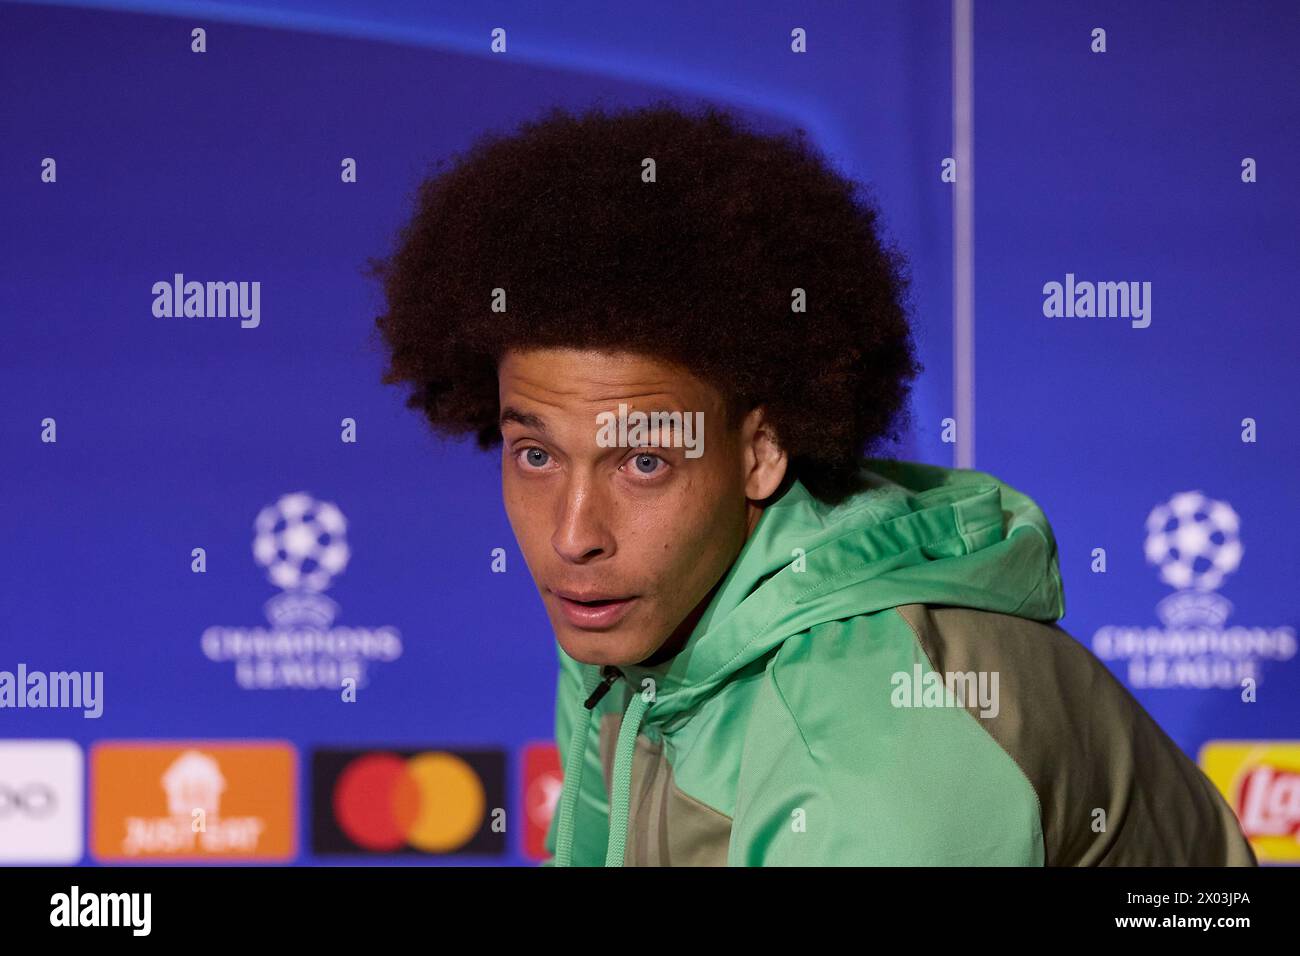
x,y
697,266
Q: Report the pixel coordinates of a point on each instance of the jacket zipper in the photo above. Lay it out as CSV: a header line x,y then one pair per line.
x,y
609,673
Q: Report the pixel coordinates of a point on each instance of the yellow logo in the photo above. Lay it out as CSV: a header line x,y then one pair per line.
x,y
1261,781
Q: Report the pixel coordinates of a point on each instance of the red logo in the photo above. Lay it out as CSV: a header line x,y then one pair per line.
x,y
1270,802
543,779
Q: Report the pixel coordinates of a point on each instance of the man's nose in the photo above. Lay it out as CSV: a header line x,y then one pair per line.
x,y
582,532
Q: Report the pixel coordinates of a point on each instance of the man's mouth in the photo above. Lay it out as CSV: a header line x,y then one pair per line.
x,y
593,611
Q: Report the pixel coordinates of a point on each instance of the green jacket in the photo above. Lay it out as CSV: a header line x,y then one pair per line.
x,y
881,682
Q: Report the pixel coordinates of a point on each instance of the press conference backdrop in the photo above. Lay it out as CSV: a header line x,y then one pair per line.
x,y
341,540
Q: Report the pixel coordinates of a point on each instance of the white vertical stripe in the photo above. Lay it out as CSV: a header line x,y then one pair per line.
x,y
963,232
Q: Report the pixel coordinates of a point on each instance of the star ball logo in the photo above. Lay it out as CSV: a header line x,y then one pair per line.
x,y
302,545
1195,543
408,802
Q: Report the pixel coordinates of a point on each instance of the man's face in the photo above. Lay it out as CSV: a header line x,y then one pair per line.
x,y
622,542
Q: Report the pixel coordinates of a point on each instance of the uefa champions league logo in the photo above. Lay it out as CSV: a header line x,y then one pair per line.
x,y
1194,540
1195,543
301,543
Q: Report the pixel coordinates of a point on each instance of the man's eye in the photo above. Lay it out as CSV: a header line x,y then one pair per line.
x,y
535,457
647,464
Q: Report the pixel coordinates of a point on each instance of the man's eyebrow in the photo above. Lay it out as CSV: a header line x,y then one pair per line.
x,y
527,419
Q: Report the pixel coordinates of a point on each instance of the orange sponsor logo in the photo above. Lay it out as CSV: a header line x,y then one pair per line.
x,y
193,800
1261,781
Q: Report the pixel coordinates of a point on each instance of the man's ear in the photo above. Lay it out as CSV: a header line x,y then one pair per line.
x,y
765,460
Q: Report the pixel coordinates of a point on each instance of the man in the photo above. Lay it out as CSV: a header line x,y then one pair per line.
x,y
685,335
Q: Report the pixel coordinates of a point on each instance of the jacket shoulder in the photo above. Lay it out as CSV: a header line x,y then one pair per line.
x,y
1114,789
834,773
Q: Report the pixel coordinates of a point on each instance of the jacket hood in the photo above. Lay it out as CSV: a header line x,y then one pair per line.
x,y
917,534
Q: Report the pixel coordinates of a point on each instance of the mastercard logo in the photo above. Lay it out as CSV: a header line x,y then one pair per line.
x,y
425,801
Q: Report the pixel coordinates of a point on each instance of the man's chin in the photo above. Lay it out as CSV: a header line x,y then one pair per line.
x,y
604,647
